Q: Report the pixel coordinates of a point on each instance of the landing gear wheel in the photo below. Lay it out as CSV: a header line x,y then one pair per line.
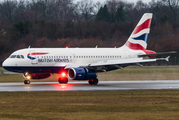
x,y
63,80
93,81
26,81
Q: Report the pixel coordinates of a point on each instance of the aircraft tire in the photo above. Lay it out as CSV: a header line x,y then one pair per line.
x,y
90,82
26,81
63,80
93,81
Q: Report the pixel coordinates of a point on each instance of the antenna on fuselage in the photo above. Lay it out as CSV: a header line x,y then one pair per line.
x,y
96,46
29,46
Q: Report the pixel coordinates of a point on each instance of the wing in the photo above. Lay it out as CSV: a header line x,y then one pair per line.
x,y
109,65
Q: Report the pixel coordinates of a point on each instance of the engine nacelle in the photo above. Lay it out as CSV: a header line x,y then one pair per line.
x,y
37,75
81,74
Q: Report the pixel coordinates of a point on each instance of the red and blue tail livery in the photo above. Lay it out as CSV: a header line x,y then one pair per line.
x,y
139,37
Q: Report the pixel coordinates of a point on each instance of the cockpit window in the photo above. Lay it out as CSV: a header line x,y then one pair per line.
x,y
22,56
13,56
18,56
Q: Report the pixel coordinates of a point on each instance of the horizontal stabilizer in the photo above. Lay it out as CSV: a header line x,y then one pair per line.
x,y
167,58
158,54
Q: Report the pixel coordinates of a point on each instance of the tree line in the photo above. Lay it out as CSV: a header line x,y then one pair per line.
x,y
60,23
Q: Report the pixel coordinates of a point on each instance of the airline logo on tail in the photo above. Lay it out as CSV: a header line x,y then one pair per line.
x,y
32,58
139,37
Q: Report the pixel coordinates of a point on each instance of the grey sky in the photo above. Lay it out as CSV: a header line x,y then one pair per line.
x,y
134,1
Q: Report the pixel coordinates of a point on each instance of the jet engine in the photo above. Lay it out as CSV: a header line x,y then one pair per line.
x,y
81,74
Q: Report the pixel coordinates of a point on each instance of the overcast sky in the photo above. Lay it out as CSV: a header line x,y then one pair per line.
x,y
146,1
134,1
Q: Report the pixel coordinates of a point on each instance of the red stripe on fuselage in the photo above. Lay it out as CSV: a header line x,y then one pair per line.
x,y
143,26
37,54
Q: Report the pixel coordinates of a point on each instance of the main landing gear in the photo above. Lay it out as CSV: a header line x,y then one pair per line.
x,y
63,80
26,81
93,81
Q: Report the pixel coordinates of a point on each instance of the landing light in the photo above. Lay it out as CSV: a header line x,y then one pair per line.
x,y
66,47
26,73
63,74
28,77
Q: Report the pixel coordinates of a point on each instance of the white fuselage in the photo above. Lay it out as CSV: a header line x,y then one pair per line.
x,y
61,57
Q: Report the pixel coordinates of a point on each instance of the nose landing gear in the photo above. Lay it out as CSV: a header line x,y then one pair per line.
x,y
26,81
28,77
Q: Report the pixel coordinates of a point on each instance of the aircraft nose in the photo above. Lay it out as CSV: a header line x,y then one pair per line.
x,y
6,63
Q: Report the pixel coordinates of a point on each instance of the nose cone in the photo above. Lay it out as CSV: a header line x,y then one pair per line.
x,y
6,63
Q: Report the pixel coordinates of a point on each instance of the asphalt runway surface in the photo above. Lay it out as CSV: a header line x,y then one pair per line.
x,y
84,86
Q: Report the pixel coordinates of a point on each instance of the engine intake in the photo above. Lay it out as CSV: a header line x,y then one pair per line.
x,y
81,74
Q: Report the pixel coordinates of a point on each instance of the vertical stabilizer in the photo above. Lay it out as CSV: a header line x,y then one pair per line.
x,y
139,37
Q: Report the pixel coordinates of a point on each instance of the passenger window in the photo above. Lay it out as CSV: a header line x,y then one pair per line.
x,y
22,56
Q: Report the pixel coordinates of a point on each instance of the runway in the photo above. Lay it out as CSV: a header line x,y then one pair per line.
x,y
84,86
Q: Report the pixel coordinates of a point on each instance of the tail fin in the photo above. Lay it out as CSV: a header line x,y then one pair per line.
x,y
139,37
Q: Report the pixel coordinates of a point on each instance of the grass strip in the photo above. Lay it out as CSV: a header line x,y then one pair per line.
x,y
97,105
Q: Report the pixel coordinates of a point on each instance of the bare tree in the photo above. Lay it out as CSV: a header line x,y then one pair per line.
x,y
86,9
8,10
113,5
64,10
173,7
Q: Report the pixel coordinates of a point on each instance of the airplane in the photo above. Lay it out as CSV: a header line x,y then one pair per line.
x,y
84,63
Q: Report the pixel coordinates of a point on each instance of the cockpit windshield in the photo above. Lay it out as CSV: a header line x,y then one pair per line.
x,y
17,56
13,56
